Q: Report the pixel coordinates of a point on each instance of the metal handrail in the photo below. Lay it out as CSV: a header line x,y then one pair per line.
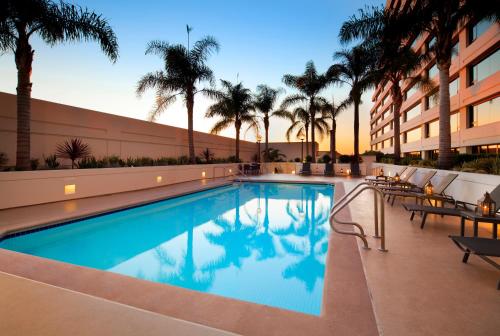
x,y
346,199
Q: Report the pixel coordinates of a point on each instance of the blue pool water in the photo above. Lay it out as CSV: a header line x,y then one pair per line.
x,y
259,242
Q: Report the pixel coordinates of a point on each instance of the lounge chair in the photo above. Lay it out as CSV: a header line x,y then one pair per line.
x,y
306,169
482,247
444,211
373,178
404,177
437,195
329,169
409,187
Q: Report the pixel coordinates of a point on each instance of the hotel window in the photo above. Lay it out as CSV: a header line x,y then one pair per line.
x,y
487,149
386,143
432,100
413,135
454,51
410,92
454,86
485,68
432,129
386,128
484,113
412,113
431,42
383,101
478,29
392,141
433,71
392,124
376,146
454,122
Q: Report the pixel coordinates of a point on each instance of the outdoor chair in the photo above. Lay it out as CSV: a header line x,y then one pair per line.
x,y
329,169
456,211
482,247
437,195
404,177
306,169
410,187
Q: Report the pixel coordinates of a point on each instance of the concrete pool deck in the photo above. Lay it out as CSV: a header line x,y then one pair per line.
x,y
420,287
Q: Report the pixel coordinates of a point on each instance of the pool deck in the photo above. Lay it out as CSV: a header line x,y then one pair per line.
x,y
419,287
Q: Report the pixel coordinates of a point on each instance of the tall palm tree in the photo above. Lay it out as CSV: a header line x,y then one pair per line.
x,y
355,70
330,112
185,68
53,23
441,19
309,84
301,122
395,60
234,104
264,101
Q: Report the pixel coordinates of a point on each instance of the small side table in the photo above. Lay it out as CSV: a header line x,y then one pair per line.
x,y
476,218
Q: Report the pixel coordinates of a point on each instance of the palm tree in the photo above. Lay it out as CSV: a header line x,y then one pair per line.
x,y
355,70
309,84
264,102
441,19
185,68
234,104
331,111
395,60
53,23
301,121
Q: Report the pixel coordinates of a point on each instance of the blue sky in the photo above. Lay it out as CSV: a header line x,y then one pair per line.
x,y
260,41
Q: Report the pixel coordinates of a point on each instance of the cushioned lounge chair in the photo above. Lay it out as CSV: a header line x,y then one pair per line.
x,y
437,195
329,169
444,211
306,169
482,247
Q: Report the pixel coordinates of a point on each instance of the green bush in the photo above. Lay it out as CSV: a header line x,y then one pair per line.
x,y
3,158
90,162
487,165
34,163
51,161
326,158
379,155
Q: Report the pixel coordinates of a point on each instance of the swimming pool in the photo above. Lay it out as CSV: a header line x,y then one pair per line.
x,y
260,242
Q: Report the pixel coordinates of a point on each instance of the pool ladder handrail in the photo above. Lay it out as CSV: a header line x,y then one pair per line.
x,y
378,195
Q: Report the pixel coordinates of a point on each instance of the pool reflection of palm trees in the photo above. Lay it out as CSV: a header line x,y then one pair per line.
x,y
242,234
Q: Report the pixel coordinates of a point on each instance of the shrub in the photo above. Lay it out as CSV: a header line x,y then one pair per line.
x,y
326,158
207,155
182,160
309,158
487,165
379,155
3,158
34,163
232,159
73,149
114,161
51,161
91,162
297,159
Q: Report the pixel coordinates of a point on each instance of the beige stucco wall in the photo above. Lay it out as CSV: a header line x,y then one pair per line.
x,y
36,187
107,134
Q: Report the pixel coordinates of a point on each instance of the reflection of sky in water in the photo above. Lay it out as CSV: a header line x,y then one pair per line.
x,y
260,242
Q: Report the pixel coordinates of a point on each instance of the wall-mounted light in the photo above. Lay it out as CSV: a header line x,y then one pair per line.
x,y
69,189
203,174
230,170
293,172
158,179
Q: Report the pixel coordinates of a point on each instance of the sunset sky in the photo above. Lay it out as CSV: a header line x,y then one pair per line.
x,y
260,41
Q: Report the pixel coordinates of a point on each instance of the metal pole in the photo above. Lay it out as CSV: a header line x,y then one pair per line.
x,y
375,214
302,150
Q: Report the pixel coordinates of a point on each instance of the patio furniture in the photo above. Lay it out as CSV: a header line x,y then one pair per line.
x,y
254,169
329,169
482,247
378,178
457,211
438,194
306,169
476,218
404,177
410,187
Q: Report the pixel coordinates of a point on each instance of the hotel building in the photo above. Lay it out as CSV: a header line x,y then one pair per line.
x,y
474,93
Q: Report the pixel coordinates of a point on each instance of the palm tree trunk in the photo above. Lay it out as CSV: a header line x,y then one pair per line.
x,y
355,167
397,98
307,140
24,60
237,125
445,159
313,123
266,127
333,142
190,108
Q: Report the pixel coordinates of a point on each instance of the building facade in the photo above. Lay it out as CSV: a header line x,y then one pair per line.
x,y
474,94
